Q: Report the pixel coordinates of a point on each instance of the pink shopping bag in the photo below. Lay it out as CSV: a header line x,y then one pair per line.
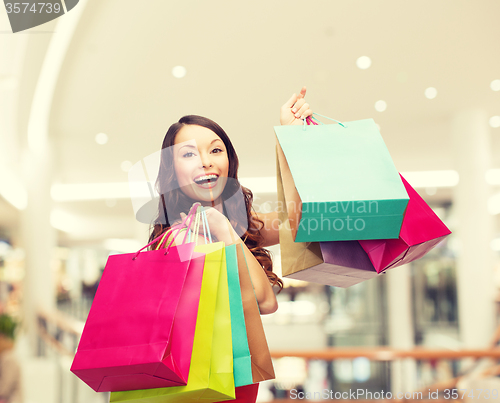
x,y
421,231
140,330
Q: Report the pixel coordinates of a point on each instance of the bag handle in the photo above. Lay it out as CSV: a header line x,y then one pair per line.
x,y
191,215
179,227
162,236
196,213
311,120
188,230
204,217
201,215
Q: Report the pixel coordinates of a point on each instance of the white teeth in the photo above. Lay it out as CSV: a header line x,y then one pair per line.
x,y
205,177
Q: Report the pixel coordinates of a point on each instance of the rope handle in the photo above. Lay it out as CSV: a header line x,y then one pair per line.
x,y
162,236
312,120
204,216
189,231
198,214
178,228
201,221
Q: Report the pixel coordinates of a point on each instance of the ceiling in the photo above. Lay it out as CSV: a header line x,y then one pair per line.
x,y
245,59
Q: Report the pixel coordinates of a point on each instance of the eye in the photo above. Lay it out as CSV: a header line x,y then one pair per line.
x,y
188,154
217,150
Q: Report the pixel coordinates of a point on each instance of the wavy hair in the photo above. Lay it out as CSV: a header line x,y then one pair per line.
x,y
171,196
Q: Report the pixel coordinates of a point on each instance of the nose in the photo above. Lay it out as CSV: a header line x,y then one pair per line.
x,y
206,162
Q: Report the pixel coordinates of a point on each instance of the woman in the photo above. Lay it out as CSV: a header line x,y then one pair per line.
x,y
199,164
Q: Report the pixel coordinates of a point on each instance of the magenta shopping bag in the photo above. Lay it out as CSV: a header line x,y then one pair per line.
x,y
140,330
421,231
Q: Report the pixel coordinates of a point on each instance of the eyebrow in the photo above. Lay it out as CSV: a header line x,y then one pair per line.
x,y
187,145
194,147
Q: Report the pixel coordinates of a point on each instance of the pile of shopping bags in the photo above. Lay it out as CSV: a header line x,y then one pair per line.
x,y
346,213
176,324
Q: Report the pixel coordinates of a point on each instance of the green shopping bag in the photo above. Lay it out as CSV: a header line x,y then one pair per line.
x,y
340,183
211,371
242,361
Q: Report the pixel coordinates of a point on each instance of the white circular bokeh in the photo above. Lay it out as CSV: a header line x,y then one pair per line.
x,y
380,106
179,71
495,121
101,138
495,85
363,62
431,93
125,166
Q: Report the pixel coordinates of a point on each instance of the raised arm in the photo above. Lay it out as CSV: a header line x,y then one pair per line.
x,y
292,113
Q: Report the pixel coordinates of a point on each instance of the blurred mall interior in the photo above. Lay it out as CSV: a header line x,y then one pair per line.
x,y
88,95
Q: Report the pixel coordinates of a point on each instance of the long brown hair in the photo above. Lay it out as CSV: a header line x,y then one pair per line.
x,y
171,196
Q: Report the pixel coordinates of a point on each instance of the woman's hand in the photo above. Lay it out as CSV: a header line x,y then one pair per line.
x,y
219,225
221,228
295,109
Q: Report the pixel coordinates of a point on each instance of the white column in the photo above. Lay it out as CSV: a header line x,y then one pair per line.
x,y
471,147
39,240
401,332
38,235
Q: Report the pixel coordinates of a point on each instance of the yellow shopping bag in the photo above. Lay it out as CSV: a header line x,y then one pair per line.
x,y
211,371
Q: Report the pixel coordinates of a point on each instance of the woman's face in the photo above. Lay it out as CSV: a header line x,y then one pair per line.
x,y
201,163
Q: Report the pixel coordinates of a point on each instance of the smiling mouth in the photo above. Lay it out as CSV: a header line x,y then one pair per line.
x,y
206,181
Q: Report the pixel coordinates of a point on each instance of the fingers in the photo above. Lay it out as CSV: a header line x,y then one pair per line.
x,y
214,214
294,98
298,105
303,92
303,112
300,108
291,101
183,215
188,223
211,211
195,204
307,113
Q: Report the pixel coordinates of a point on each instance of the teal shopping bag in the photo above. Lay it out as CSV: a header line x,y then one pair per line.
x,y
242,361
340,183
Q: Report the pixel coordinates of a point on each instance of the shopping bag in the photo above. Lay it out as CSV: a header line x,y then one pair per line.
x,y
262,365
242,362
340,182
421,231
335,263
140,329
211,371
246,394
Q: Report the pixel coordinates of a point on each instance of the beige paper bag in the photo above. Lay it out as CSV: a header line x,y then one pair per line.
x,y
304,260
